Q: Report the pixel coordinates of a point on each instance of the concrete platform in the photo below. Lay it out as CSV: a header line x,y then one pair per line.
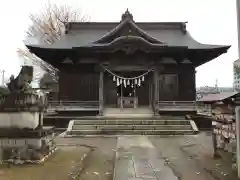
x,y
131,121
142,112
131,127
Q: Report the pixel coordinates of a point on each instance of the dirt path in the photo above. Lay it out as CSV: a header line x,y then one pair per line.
x,y
100,164
77,158
62,165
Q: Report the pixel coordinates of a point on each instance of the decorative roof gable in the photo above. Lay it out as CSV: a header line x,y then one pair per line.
x,y
127,28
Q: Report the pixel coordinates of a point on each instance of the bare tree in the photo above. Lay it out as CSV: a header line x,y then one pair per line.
x,y
48,26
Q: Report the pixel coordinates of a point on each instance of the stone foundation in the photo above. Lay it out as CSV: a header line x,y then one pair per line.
x,y
19,150
28,120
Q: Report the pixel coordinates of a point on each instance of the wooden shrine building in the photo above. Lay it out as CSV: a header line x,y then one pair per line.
x,y
127,63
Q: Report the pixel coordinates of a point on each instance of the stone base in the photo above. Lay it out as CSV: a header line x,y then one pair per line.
x,y
19,150
19,161
30,120
25,133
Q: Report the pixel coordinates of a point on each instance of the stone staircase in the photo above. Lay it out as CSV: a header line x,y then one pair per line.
x,y
129,123
113,113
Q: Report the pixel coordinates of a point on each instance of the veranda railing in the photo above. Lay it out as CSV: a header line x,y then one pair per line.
x,y
191,105
73,104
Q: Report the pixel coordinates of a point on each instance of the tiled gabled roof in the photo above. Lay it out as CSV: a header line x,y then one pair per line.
x,y
217,96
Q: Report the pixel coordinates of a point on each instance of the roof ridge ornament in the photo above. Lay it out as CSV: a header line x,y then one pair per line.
x,y
127,16
183,27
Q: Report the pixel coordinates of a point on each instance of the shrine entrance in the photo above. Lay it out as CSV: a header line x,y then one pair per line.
x,y
126,96
125,89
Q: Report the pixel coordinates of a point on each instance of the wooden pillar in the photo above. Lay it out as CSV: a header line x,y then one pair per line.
x,y
156,90
101,100
193,88
150,95
60,86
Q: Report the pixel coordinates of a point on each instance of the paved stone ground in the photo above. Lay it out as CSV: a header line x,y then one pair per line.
x,y
138,159
190,157
158,157
169,158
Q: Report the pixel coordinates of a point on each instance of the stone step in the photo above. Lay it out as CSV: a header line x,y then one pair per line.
x,y
109,111
124,116
130,132
128,112
131,127
131,122
163,117
56,116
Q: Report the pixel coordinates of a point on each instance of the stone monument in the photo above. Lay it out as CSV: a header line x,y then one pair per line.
x,y
23,138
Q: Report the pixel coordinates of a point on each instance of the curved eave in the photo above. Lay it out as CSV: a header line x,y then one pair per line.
x,y
197,56
133,43
129,39
50,55
202,56
148,49
121,25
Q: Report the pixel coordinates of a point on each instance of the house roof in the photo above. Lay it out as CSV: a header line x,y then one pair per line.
x,y
217,96
159,36
87,33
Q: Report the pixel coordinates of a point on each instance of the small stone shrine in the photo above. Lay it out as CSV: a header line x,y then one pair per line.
x,y
23,139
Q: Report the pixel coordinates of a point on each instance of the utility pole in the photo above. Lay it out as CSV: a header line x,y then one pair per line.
x,y
3,73
216,85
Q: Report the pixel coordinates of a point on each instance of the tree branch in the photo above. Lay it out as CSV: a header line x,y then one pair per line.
x,y
48,26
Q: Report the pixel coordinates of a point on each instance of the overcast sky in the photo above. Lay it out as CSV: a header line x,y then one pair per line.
x,y
209,22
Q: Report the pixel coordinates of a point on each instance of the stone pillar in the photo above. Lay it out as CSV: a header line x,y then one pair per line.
x,y
101,100
237,114
156,90
237,109
238,24
214,140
